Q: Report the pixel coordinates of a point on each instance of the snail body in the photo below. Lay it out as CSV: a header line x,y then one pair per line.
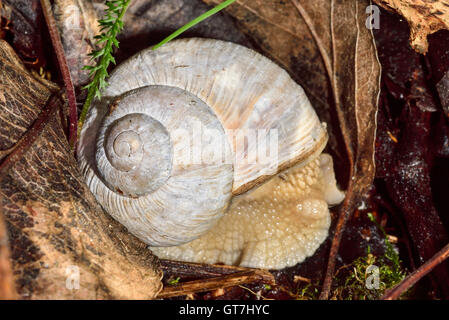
x,y
170,144
275,226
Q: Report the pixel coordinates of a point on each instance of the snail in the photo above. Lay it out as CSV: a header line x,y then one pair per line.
x,y
199,141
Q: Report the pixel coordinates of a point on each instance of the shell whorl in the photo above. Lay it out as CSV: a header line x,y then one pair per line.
x,y
134,167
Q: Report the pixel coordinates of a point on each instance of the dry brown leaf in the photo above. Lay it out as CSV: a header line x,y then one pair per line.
x,y
326,47
7,288
77,24
423,16
54,225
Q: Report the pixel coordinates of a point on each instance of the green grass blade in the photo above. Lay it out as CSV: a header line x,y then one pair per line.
x,y
195,21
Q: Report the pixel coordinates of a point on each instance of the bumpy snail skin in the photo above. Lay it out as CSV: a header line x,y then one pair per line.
x,y
277,225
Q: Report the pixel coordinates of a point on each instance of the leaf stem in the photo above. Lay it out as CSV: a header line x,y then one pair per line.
x,y
63,67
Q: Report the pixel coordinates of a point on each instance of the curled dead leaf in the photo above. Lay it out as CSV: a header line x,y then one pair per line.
x,y
424,18
77,24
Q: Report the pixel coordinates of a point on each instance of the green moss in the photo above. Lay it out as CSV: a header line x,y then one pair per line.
x,y
267,287
366,278
308,292
370,276
172,282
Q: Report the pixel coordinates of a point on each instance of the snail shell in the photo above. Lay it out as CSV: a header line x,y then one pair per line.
x,y
133,150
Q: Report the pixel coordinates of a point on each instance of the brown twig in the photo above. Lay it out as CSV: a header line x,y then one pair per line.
x,y
20,148
199,270
213,277
60,55
233,279
343,217
418,274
